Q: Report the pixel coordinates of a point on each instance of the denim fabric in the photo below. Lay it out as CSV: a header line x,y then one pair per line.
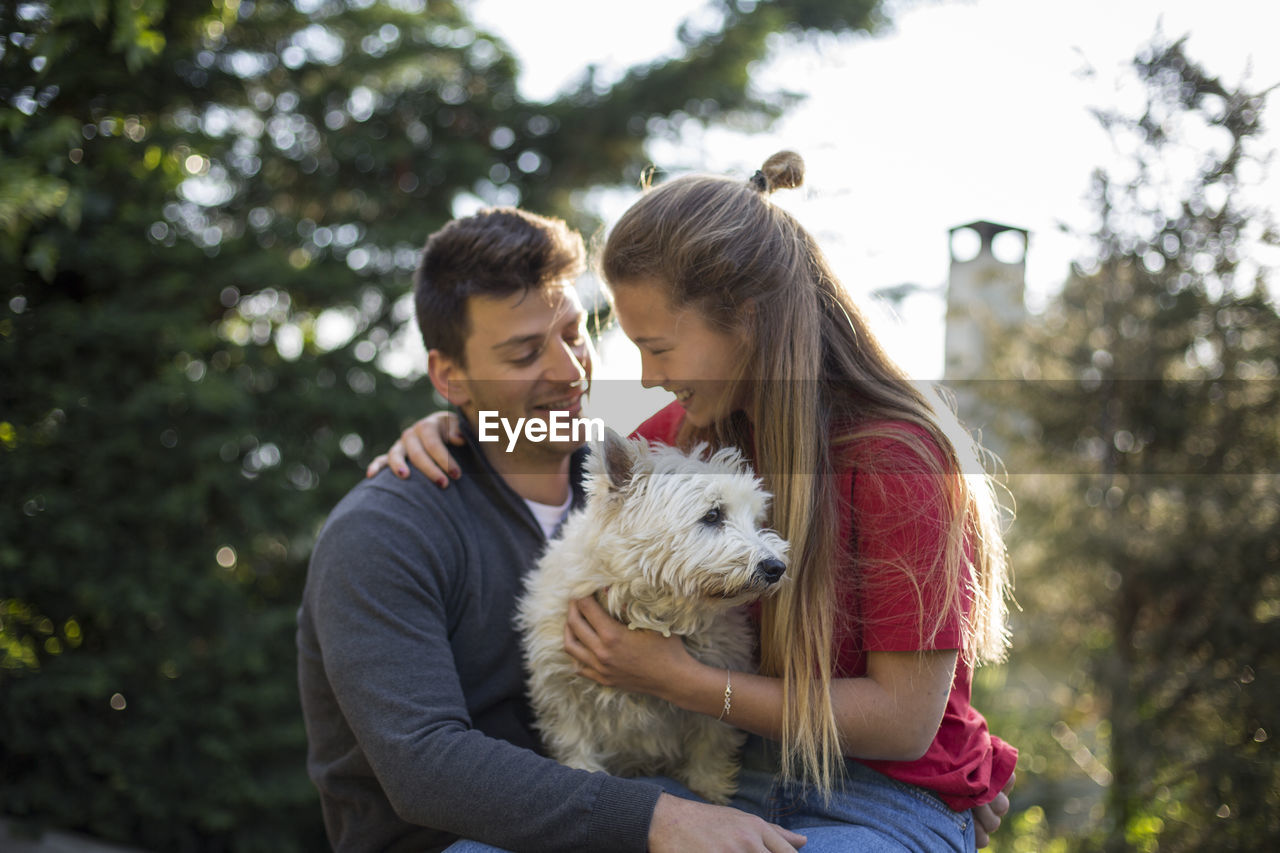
x,y
869,813
465,846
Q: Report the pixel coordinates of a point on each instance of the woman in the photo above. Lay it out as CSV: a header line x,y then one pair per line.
x,y
867,739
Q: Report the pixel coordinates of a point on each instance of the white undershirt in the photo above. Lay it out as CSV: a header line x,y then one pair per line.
x,y
548,516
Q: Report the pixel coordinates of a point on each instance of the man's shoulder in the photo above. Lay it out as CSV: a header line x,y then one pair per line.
x,y
386,495
388,513
385,512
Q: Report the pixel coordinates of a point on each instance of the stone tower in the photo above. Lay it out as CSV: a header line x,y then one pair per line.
x,y
984,306
984,294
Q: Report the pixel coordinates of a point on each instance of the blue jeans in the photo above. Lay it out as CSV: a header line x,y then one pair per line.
x,y
868,813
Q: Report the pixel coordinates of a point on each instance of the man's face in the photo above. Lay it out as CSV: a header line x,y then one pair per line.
x,y
527,355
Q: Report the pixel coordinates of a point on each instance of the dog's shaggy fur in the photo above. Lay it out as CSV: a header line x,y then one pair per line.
x,y
669,542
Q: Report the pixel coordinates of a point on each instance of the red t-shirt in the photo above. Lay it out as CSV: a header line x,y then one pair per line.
x,y
894,525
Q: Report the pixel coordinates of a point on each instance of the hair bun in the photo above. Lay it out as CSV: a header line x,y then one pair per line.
x,y
782,171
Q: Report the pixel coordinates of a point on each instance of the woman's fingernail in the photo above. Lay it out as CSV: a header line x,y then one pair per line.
x,y
402,473
455,472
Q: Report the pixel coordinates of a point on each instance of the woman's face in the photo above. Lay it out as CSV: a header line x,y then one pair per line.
x,y
680,351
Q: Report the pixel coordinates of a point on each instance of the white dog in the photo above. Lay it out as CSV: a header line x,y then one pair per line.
x,y
669,542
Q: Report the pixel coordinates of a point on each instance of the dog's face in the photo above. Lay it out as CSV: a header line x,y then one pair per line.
x,y
687,529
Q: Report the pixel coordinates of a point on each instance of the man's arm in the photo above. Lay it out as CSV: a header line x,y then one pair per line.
x,y
681,825
380,608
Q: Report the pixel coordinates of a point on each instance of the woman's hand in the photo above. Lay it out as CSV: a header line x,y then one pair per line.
x,y
987,819
423,444
610,653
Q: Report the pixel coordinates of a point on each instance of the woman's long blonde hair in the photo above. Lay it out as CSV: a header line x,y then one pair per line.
x,y
818,380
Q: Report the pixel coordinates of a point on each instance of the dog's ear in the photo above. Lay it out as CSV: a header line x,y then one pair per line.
x,y
618,457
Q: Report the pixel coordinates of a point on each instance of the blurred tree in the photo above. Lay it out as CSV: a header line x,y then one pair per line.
x,y
209,210
1148,538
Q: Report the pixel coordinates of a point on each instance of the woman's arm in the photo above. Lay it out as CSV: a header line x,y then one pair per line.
x,y
424,444
892,714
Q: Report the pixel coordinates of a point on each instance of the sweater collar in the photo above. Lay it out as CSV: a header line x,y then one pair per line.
x,y
476,464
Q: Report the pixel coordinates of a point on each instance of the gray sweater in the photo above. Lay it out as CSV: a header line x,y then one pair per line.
x,y
418,726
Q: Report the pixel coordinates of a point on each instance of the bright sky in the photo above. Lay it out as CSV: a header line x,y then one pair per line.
x,y
965,110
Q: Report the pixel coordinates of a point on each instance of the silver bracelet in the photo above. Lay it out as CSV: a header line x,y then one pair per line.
x,y
728,694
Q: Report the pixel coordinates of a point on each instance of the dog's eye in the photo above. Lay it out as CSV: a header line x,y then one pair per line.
x,y
713,517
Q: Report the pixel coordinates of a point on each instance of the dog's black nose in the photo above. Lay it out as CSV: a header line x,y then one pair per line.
x,y
771,569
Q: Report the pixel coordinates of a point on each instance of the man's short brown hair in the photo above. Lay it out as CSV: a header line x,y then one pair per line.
x,y
495,252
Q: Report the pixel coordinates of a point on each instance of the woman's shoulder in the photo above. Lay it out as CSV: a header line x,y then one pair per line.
x,y
886,445
662,427
899,482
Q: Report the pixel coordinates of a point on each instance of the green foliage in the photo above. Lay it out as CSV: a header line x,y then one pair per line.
x,y
1148,538
194,195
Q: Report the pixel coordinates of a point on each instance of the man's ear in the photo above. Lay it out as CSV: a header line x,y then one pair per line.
x,y
448,378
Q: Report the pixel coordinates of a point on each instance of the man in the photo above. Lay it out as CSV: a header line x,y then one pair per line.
x,y
418,727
